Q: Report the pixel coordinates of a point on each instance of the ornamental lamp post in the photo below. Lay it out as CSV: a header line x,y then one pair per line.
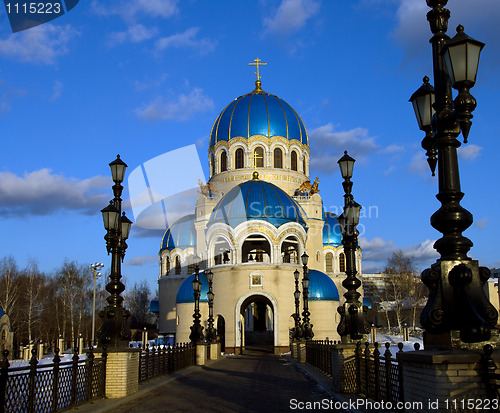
x,y
114,330
95,274
307,332
210,336
297,331
353,325
196,335
457,313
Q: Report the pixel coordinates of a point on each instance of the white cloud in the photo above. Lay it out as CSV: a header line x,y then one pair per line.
x,y
377,251
56,90
41,44
330,145
129,10
469,151
418,165
481,224
186,39
135,33
181,108
412,31
43,193
145,259
290,16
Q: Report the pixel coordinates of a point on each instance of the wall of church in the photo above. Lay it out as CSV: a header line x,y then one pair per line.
x,y
325,319
167,291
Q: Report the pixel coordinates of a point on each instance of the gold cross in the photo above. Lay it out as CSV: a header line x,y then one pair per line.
x,y
255,157
257,63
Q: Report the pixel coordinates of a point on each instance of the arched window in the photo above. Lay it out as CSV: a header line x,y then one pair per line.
x,y
329,262
212,161
278,158
167,265
342,262
240,163
177,265
294,161
305,166
259,157
223,161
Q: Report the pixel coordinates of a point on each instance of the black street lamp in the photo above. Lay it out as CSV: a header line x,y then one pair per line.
x,y
297,331
457,310
196,335
307,327
353,325
210,336
114,330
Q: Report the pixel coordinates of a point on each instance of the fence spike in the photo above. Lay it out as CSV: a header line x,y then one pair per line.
x,y
400,346
416,346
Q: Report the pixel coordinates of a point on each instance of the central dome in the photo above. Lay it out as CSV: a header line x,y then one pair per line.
x,y
258,113
257,199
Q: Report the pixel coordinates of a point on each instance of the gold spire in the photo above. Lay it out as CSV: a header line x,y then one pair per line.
x,y
257,63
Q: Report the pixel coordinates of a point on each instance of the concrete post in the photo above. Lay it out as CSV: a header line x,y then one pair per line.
x,y
60,345
201,354
40,351
80,345
301,350
122,371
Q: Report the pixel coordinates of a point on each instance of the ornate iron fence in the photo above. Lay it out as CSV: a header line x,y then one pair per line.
x,y
44,388
379,376
319,354
368,373
156,361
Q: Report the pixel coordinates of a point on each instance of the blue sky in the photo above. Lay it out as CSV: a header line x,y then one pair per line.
x,y
145,77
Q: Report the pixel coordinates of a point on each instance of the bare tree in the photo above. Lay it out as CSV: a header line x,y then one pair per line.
x,y
404,288
138,302
9,284
33,297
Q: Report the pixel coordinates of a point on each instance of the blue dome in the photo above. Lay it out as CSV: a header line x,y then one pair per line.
x,y
257,199
181,234
331,231
367,301
258,113
185,291
321,287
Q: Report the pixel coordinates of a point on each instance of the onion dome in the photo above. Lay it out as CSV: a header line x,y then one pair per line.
x,y
154,306
331,231
321,287
258,113
257,199
181,234
185,292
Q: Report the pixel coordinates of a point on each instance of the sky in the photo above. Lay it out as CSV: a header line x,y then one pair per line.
x,y
143,78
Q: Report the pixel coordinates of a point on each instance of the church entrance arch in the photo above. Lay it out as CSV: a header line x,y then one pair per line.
x,y
256,321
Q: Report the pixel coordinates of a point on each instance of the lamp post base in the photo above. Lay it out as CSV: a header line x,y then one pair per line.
x,y
457,314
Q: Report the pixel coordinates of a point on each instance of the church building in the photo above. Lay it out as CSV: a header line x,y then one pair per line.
x,y
253,220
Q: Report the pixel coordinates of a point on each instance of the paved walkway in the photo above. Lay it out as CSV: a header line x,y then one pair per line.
x,y
250,383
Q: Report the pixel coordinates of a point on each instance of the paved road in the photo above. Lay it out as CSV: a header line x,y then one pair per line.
x,y
251,383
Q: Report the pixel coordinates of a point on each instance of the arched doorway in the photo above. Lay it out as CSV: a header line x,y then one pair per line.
x,y
257,324
221,332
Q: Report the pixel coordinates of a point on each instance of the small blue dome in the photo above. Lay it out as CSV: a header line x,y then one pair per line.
x,y
331,231
321,287
154,306
257,199
367,301
185,291
258,113
181,234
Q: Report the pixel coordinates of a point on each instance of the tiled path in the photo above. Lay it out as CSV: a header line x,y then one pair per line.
x,y
250,383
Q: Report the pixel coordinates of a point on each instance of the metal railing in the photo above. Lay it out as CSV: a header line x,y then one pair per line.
x,y
369,373
44,388
160,360
492,378
319,354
